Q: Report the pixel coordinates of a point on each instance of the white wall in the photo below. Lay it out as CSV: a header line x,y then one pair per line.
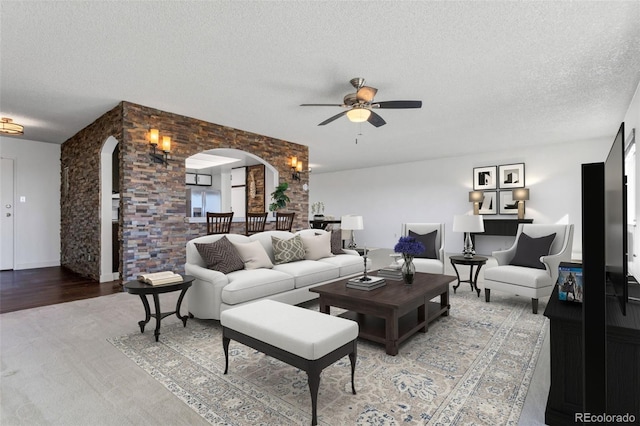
x,y
436,190
37,221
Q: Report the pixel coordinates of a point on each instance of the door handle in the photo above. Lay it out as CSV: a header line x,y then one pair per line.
x,y
8,214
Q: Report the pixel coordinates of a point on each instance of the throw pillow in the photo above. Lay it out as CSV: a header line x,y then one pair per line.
x,y
285,251
336,241
529,250
221,256
253,255
317,246
429,242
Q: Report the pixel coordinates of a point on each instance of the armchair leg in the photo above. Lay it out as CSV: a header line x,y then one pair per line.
x,y
487,295
534,304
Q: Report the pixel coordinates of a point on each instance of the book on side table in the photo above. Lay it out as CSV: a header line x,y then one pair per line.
x,y
369,283
157,278
390,273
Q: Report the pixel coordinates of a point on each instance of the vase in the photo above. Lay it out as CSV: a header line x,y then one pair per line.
x,y
408,270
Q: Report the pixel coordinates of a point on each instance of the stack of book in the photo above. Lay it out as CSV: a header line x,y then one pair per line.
x,y
157,278
390,273
369,284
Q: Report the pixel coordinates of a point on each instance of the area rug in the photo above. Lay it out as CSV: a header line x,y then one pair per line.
x,y
471,367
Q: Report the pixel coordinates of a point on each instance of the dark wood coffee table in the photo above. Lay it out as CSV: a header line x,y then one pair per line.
x,y
393,313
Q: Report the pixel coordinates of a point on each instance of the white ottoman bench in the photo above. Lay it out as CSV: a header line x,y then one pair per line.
x,y
305,339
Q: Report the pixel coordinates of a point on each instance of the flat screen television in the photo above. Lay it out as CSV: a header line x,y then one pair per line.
x,y
615,214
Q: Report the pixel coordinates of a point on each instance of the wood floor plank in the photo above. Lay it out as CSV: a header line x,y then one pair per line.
x,y
30,288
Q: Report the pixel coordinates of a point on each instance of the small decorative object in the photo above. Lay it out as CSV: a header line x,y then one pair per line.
x,y
408,247
317,209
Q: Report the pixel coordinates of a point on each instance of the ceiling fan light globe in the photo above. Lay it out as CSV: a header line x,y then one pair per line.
x,y
358,115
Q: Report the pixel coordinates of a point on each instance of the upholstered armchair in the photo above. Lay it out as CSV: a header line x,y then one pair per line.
x,y
530,267
433,260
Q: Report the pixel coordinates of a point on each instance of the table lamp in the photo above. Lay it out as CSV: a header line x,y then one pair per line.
x,y
521,195
476,198
468,224
352,223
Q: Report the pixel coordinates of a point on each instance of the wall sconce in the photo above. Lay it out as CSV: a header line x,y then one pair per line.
x,y
520,195
296,168
154,138
476,198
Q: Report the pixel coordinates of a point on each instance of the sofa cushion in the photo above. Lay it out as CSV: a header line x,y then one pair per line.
x,y
529,250
518,275
253,255
317,246
289,250
429,242
254,284
347,264
221,256
307,272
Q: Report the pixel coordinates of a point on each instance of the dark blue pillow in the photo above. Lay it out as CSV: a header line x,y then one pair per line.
x,y
429,242
529,250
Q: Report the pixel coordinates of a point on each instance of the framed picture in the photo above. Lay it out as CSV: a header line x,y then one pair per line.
x,y
511,176
484,178
489,204
507,204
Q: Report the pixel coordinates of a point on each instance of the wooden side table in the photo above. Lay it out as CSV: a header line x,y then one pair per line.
x,y
476,261
143,289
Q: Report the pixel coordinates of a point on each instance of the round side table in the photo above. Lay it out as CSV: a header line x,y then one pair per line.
x,y
143,289
476,261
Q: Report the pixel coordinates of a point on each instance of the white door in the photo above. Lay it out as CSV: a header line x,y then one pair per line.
x,y
7,214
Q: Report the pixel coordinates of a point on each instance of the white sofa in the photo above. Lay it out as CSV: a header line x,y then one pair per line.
x,y
213,292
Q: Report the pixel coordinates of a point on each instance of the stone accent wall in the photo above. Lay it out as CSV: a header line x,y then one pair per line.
x,y
258,203
80,199
153,196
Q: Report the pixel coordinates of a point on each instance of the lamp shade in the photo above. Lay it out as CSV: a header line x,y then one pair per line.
x,y
468,223
475,196
351,222
521,194
358,115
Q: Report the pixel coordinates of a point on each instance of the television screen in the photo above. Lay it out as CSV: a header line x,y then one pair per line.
x,y
615,214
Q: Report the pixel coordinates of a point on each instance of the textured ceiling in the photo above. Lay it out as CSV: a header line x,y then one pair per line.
x,y
491,75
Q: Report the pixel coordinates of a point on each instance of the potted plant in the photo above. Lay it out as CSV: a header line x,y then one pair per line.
x,y
317,209
279,198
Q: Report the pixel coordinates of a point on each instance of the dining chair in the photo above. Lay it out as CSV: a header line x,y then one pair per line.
x,y
219,223
284,221
255,222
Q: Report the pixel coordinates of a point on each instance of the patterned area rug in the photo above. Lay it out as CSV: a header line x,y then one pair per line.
x,y
472,367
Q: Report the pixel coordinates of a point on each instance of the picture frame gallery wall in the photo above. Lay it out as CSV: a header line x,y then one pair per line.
x,y
496,183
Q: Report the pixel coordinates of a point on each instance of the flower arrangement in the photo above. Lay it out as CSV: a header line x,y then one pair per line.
x,y
409,247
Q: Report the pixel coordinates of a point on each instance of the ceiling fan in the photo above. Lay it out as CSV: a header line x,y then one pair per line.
x,y
359,105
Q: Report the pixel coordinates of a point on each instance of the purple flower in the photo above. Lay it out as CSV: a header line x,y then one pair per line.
x,y
409,246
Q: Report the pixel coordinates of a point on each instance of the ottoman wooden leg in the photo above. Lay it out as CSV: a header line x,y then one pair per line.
x,y
225,346
314,384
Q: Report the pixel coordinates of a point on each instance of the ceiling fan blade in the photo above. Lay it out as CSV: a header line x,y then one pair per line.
x,y
366,93
398,104
376,120
335,117
338,105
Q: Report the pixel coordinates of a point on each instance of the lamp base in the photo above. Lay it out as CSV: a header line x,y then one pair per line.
x,y
468,252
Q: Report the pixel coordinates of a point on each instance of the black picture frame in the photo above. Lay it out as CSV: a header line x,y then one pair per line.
x,y
489,203
507,204
511,176
485,178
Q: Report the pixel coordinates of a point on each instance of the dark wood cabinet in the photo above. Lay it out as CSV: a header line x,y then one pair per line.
x,y
567,368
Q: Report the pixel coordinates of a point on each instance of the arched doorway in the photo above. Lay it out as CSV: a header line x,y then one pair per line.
x,y
109,197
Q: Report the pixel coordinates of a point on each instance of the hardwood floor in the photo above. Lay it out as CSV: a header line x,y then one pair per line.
x,y
30,288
